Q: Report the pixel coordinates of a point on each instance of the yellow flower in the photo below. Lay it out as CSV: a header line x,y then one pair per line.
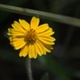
x,y
32,39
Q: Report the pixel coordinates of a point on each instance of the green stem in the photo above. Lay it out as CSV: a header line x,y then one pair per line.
x,y
29,72
45,15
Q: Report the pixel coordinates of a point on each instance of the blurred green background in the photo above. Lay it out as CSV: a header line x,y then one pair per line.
x,y
63,63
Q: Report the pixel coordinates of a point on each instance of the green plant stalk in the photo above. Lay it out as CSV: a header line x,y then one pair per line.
x,y
45,15
28,66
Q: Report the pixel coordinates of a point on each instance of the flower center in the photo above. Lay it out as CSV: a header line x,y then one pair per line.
x,y
31,36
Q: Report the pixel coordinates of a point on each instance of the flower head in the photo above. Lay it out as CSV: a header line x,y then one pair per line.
x,y
32,39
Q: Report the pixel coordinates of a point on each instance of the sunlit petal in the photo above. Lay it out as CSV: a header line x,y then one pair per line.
x,y
24,51
47,47
24,24
34,23
18,44
47,40
47,32
39,48
32,52
42,28
13,32
17,26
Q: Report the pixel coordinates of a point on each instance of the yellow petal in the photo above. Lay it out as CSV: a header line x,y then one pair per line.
x,y
35,51
24,51
39,48
14,32
47,47
12,39
15,39
24,24
42,28
34,22
10,30
47,38
18,44
46,41
17,26
47,32
32,52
